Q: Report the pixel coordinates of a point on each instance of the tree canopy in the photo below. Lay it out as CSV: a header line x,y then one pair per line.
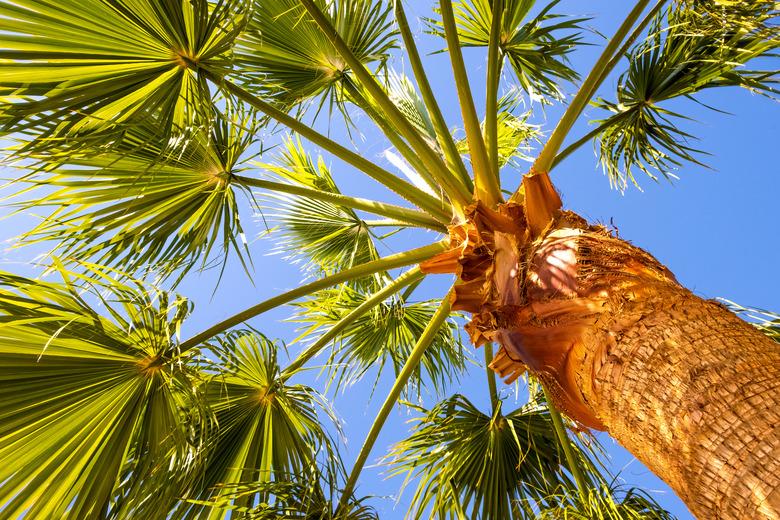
x,y
159,141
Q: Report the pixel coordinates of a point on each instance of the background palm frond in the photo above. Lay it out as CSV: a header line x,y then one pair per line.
x,y
401,90
514,133
75,67
483,466
143,207
297,497
385,334
686,52
96,410
285,56
536,48
603,503
327,237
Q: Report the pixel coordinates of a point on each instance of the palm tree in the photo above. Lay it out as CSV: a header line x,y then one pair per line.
x,y
137,122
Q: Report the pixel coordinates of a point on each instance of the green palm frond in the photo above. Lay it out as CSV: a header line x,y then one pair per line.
x,y
467,462
72,67
749,15
603,503
144,207
537,48
284,55
766,321
403,93
88,400
686,52
298,497
513,131
385,334
267,429
326,236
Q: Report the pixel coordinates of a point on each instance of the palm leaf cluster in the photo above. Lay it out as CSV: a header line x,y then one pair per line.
x,y
159,208
71,69
143,130
476,464
535,45
687,52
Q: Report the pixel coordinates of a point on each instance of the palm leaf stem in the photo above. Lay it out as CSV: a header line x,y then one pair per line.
x,y
563,439
579,142
409,367
405,216
435,164
495,60
491,376
444,136
387,222
410,257
408,278
486,185
406,190
392,135
594,79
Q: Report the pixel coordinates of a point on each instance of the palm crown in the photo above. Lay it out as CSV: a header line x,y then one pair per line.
x,y
143,126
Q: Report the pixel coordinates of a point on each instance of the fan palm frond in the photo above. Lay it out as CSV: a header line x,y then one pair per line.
x,y
267,429
470,463
89,400
75,67
284,55
144,207
537,48
386,334
687,52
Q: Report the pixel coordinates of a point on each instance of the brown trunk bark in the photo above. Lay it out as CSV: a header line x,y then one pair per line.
x,y
682,383
686,386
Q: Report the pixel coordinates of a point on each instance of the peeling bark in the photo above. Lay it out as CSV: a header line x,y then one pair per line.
x,y
686,386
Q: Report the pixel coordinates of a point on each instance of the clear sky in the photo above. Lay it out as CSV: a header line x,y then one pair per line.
x,y
713,228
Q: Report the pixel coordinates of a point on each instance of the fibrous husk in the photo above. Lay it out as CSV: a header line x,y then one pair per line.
x,y
536,279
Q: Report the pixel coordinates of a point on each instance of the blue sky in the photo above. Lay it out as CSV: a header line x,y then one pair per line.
x,y
713,228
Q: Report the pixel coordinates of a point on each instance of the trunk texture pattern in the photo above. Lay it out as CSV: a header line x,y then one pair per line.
x,y
686,386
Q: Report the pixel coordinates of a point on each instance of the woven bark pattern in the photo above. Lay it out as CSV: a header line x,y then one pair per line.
x,y
694,393
686,386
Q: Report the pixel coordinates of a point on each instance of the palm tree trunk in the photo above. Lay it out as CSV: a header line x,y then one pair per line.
x,y
686,386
